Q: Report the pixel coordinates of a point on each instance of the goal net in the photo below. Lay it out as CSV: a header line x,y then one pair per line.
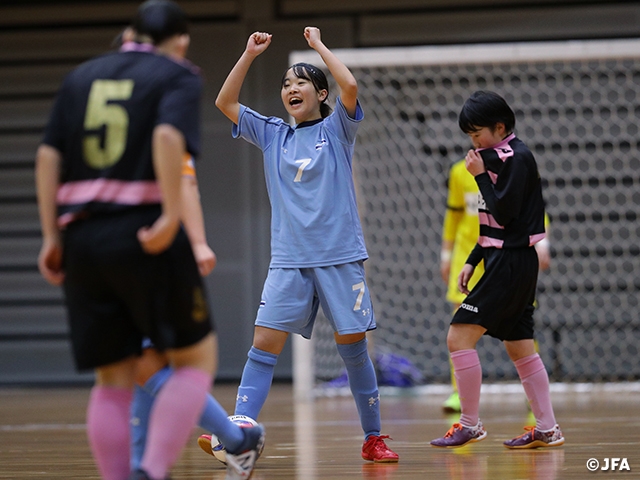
x,y
577,106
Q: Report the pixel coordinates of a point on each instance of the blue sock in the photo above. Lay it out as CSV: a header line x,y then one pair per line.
x,y
363,384
157,380
139,421
214,418
255,383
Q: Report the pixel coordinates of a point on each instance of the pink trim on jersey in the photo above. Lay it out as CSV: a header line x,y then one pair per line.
x,y
504,152
148,48
489,242
503,144
487,219
137,47
66,218
109,191
533,239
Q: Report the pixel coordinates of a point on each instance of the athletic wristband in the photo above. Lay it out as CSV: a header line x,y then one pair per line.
x,y
445,255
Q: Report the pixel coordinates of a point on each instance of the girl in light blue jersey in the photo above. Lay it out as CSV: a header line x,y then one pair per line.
x,y
317,245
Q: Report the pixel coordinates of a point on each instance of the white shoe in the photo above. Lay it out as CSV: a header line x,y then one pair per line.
x,y
240,465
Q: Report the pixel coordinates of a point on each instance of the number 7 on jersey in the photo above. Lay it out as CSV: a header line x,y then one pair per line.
x,y
303,164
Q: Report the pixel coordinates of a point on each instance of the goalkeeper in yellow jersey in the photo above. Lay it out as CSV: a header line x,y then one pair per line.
x,y
459,235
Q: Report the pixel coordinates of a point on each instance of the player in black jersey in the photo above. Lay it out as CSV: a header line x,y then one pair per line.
x,y
108,177
511,215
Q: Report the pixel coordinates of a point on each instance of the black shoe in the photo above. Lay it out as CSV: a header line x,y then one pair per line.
x,y
140,474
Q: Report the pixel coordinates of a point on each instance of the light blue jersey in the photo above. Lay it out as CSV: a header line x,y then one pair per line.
x,y
308,170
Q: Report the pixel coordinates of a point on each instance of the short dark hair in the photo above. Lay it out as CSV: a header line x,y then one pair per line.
x,y
486,109
160,19
316,77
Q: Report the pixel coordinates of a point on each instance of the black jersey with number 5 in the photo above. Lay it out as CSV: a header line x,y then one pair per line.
x,y
102,123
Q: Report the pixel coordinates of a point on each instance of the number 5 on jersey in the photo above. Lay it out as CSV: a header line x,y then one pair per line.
x,y
102,113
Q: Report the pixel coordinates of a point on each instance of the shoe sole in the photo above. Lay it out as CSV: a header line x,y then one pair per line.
x,y
473,440
205,444
451,405
448,409
536,444
381,460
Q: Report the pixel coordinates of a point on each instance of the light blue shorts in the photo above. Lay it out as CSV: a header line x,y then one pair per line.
x,y
291,296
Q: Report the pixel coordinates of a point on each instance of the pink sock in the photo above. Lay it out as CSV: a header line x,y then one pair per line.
x,y
175,412
535,381
108,430
468,373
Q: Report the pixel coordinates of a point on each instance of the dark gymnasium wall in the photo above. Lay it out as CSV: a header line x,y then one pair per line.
x,y
41,41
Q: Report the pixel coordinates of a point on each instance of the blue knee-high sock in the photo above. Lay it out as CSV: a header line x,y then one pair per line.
x,y
363,384
143,398
213,419
139,421
157,381
255,383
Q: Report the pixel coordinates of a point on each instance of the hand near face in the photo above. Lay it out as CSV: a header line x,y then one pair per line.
x,y
474,163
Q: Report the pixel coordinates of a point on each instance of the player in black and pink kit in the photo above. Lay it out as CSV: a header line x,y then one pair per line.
x,y
511,214
108,176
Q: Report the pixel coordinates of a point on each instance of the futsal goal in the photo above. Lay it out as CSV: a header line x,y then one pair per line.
x,y
577,105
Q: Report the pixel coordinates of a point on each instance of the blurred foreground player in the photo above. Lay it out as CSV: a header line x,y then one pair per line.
x,y
153,369
108,183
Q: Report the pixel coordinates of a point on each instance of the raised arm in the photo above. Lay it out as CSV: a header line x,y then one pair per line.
x,y
229,95
343,76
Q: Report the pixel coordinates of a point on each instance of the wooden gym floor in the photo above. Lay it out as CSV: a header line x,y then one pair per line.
x,y
42,435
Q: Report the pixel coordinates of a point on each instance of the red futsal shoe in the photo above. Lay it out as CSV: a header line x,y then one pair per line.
x,y
375,450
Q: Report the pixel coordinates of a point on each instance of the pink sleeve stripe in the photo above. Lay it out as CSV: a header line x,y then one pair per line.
x,y
487,219
533,239
489,242
109,191
66,218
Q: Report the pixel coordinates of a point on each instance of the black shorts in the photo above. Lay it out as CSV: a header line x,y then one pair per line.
x,y
503,300
116,294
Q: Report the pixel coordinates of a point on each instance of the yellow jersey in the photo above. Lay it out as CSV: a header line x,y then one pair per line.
x,y
461,226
